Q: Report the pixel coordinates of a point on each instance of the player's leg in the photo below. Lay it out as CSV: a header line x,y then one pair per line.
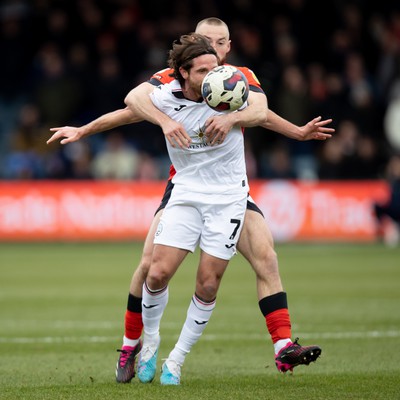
x,y
219,236
165,262
178,233
257,246
132,344
209,275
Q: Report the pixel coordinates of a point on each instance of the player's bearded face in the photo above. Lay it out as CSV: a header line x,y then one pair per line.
x,y
194,82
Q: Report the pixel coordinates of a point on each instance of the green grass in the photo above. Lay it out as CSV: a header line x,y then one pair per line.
x,y
62,308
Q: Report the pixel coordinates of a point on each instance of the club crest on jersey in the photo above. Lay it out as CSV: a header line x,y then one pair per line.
x,y
160,228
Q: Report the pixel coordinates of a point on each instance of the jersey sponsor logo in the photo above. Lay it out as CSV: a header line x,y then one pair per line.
x,y
199,138
200,135
198,146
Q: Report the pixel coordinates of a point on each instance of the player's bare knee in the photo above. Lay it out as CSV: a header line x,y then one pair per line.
x,y
207,291
157,279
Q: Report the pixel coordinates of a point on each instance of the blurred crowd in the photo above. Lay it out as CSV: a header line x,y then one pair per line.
x,y
66,62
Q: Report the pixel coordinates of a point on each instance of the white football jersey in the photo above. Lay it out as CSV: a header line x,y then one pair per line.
x,y
202,168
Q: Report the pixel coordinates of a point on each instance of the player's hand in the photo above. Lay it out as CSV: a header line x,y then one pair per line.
x,y
176,134
217,127
67,134
316,130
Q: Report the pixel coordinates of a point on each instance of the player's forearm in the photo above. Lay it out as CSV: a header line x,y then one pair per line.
x,y
280,125
139,102
255,114
109,121
250,117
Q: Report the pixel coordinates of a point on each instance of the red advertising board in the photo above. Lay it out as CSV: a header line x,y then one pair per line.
x,y
319,211
103,210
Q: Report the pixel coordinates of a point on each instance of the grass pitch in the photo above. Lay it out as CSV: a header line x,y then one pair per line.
x,y
62,308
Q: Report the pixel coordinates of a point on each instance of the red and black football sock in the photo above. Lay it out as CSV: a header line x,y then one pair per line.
x,y
133,318
276,313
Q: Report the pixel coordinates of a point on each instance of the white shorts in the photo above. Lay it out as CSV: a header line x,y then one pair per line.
x,y
213,222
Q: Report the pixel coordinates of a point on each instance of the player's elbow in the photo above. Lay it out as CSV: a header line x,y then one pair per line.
x,y
262,117
261,112
266,120
129,117
129,101
137,94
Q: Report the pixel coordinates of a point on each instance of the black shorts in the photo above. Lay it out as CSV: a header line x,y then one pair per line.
x,y
167,194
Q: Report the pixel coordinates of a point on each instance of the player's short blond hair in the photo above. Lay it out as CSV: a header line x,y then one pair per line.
x,y
212,21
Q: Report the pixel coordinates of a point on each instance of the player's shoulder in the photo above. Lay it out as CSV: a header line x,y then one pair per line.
x,y
250,75
167,88
169,94
162,77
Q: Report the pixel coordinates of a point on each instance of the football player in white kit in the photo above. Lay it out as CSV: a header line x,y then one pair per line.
x,y
206,208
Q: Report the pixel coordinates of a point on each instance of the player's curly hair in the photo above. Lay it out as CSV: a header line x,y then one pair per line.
x,y
185,50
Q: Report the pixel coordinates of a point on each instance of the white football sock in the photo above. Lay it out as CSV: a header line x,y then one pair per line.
x,y
129,342
198,315
153,306
280,344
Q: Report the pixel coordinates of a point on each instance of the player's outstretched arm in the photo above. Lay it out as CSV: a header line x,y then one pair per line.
x,y
108,121
139,102
314,130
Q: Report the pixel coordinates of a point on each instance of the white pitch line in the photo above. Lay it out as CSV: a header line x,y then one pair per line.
x,y
209,337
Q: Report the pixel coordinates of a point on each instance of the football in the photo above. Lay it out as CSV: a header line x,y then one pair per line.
x,y
225,88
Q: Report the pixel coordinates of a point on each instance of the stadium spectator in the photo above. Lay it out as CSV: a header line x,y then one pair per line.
x,y
78,161
361,91
148,168
116,160
108,87
294,103
278,164
351,154
53,83
16,57
28,158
